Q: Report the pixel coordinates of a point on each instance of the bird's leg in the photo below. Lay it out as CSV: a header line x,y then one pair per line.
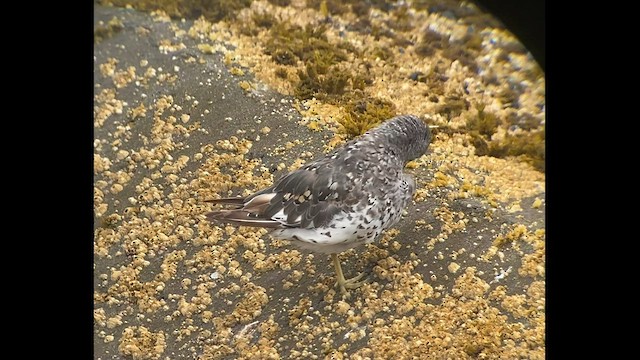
x,y
343,283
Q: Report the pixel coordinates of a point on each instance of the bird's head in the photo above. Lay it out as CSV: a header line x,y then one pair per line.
x,y
408,133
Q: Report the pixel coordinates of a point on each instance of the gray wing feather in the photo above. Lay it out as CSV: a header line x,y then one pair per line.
x,y
317,208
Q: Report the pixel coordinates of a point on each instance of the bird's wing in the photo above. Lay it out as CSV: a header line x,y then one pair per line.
x,y
309,196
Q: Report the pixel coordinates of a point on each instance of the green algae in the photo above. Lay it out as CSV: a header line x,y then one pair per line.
x,y
364,113
528,146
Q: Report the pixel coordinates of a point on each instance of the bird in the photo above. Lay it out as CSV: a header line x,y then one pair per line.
x,y
340,201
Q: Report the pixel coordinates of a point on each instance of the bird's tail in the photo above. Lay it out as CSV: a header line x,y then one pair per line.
x,y
245,213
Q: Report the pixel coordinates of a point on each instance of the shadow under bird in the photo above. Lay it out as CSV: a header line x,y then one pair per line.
x,y
343,200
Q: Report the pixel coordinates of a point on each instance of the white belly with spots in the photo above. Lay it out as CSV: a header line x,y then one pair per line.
x,y
342,234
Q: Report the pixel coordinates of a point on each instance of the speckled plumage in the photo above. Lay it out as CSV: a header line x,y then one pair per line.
x,y
344,199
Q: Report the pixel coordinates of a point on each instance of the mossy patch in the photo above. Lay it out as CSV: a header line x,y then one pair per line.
x,y
307,44
259,20
317,81
360,80
325,75
528,145
436,79
383,5
380,31
328,7
401,20
361,9
362,26
322,76
430,42
485,123
263,19
284,57
365,113
282,73
383,53
453,106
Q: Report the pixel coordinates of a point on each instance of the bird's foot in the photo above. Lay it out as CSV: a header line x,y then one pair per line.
x,y
343,283
352,283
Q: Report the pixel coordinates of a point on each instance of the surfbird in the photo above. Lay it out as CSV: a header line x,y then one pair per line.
x,y
343,200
